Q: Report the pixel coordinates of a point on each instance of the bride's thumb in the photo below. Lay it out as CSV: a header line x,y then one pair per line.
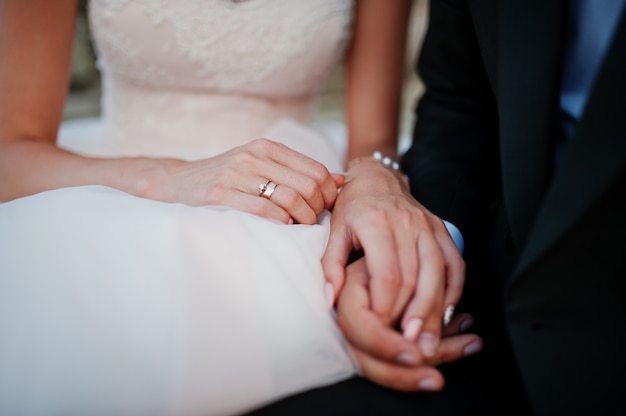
x,y
341,178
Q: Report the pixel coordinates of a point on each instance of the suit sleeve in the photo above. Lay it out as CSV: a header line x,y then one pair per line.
x,y
453,163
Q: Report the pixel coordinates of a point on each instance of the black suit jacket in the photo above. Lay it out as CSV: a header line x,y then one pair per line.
x,y
548,242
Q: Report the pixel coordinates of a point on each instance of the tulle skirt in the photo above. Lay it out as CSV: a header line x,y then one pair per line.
x,y
112,304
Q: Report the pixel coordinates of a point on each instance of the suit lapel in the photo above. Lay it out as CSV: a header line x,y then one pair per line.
x,y
594,158
529,59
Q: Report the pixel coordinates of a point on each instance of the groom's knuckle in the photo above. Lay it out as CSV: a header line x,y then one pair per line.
x,y
396,379
443,355
383,347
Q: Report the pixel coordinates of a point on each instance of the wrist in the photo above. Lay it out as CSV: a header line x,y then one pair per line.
x,y
378,157
146,177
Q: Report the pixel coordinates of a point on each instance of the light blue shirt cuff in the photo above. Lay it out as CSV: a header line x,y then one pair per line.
x,y
456,235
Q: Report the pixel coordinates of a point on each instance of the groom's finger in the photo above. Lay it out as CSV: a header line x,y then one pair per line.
x,y
367,333
421,377
364,329
397,377
458,325
456,347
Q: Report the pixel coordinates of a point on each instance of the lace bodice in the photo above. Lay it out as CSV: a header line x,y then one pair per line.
x,y
192,77
275,47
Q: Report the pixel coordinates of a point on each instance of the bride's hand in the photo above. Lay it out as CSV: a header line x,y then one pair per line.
x,y
304,187
416,270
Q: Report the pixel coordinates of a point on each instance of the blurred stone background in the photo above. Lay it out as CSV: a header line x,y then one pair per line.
x,y
84,95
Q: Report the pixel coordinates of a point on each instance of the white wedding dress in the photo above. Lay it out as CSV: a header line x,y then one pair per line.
x,y
116,305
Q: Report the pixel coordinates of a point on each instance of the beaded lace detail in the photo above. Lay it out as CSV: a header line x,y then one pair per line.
x,y
256,46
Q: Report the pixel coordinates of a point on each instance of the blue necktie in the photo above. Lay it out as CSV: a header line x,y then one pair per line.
x,y
591,28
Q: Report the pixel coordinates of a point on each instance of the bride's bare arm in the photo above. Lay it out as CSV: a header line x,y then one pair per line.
x,y
35,50
374,76
415,270
35,55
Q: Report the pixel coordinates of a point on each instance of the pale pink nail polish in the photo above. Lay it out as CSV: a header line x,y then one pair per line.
x,y
428,343
412,329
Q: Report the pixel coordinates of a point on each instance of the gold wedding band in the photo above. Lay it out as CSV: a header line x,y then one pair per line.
x,y
266,189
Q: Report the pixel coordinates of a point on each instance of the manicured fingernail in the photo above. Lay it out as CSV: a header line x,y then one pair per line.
x,y
406,358
347,176
427,384
447,315
466,324
412,329
428,343
329,294
472,348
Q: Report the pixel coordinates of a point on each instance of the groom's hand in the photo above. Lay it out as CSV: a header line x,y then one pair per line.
x,y
384,355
